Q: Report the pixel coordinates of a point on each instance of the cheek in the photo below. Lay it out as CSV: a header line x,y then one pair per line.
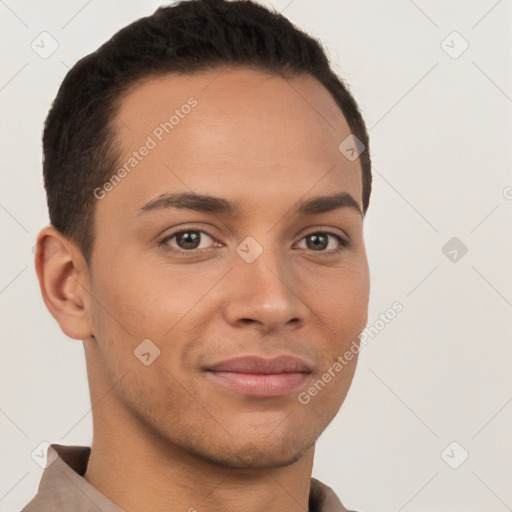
x,y
121,310
156,302
137,294
341,299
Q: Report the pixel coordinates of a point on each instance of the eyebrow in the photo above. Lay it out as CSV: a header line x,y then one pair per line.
x,y
212,204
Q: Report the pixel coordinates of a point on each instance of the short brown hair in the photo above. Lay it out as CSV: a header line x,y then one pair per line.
x,y
79,145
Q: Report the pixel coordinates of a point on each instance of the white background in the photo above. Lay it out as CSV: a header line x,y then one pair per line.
x,y
441,138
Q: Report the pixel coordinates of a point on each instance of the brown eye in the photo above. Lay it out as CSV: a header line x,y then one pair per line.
x,y
186,240
316,241
319,241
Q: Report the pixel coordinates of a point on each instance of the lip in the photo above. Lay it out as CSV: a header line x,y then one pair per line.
x,y
261,377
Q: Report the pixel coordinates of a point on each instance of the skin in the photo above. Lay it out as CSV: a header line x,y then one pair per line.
x,y
268,143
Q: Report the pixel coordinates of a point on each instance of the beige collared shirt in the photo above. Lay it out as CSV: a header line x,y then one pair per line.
x,y
63,489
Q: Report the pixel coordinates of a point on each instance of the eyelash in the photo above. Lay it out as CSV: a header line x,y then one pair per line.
x,y
344,244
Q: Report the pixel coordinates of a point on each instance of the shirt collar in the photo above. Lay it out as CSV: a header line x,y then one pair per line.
x,y
63,487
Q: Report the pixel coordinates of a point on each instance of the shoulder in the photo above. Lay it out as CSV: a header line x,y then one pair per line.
x,y
322,498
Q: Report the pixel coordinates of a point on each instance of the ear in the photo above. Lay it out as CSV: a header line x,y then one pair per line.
x,y
64,282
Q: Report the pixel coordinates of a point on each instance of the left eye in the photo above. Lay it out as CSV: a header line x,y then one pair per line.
x,y
319,240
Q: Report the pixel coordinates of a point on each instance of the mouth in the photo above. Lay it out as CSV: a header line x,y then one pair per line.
x,y
260,377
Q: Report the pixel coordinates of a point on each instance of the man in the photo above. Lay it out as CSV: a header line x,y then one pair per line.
x,y
207,176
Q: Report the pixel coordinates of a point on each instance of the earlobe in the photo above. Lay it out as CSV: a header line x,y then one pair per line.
x,y
63,280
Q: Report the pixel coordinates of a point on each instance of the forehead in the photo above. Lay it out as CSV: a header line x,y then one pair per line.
x,y
235,132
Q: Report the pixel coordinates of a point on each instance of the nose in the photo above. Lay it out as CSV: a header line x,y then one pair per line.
x,y
266,294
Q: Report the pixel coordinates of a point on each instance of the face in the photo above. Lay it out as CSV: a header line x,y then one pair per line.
x,y
208,285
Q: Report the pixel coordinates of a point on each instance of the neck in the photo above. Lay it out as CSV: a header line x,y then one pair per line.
x,y
139,475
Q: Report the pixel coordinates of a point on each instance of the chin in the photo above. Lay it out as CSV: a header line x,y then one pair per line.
x,y
262,454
